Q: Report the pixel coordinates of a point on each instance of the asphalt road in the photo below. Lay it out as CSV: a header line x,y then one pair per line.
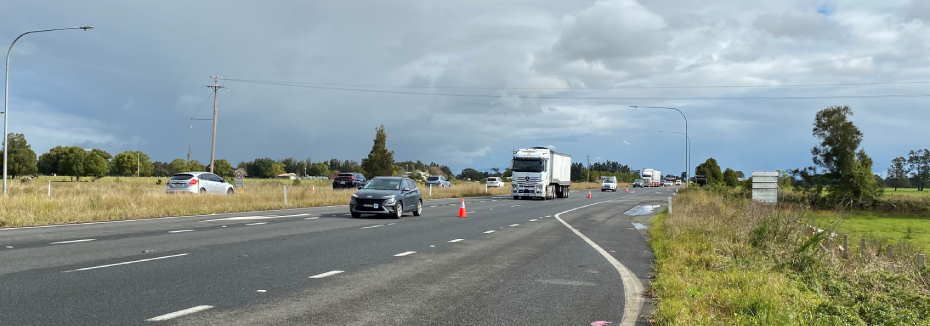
x,y
569,261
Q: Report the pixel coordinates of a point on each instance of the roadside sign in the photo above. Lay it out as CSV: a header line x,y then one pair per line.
x,y
239,175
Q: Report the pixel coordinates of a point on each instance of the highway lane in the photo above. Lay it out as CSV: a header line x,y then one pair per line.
x,y
409,271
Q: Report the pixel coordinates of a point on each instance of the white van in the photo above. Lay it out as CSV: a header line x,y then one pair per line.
x,y
495,182
609,184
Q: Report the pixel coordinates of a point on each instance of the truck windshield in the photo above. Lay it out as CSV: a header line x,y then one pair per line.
x,y
524,165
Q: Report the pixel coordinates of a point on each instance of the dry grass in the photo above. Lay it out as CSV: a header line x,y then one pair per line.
x,y
131,198
733,262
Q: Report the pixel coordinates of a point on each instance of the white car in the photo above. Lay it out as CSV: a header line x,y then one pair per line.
x,y
495,182
199,183
678,182
609,184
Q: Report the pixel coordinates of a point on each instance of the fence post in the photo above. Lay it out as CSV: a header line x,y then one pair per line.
x,y
890,255
285,196
862,247
669,205
845,247
920,261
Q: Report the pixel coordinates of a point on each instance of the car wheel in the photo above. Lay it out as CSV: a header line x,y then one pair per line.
x,y
516,198
356,215
399,210
203,191
230,191
419,208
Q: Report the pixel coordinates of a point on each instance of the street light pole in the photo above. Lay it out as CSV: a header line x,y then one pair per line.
x,y
6,93
687,149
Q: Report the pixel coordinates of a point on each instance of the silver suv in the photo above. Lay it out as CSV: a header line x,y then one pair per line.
x,y
199,182
438,181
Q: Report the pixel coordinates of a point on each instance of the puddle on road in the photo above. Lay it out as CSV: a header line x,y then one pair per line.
x,y
641,210
639,226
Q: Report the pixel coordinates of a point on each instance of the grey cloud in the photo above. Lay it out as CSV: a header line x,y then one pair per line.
x,y
798,25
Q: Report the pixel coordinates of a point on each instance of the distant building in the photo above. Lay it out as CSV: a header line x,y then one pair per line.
x,y
287,176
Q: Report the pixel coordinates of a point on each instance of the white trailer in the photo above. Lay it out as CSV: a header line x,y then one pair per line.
x,y
651,178
539,172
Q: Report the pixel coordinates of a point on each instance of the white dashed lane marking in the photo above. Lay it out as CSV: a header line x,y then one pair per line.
x,y
533,220
456,240
73,241
179,313
514,224
330,273
180,231
373,226
259,223
406,253
125,263
489,231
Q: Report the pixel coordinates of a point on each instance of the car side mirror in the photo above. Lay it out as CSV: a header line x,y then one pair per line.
x,y
406,189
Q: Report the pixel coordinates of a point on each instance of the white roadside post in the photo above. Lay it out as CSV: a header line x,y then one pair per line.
x,y
431,190
50,189
285,196
485,187
669,205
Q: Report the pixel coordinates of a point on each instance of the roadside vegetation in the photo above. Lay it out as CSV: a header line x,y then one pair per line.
x,y
724,260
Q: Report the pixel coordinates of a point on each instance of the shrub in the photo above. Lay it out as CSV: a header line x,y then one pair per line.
x,y
158,182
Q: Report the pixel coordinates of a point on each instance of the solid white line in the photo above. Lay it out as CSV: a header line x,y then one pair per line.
x,y
373,226
179,231
405,253
489,231
515,206
73,241
259,223
126,263
313,218
632,287
179,313
456,240
514,224
330,273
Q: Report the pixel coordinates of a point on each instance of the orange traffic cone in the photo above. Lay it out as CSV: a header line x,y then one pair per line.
x,y
312,189
462,209
589,193
628,190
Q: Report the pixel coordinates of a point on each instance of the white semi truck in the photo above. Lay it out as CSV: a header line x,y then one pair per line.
x,y
539,172
651,178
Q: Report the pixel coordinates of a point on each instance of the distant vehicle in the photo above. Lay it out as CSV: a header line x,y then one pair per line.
x,y
651,178
539,172
349,180
199,182
638,183
391,196
678,182
495,182
667,183
287,176
609,184
438,181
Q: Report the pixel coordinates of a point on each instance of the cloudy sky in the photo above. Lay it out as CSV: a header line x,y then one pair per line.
x,y
536,73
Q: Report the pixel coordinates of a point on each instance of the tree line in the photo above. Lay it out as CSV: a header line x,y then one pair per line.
x,y
913,171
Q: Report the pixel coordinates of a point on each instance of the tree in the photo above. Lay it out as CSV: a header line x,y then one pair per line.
x,y
710,170
276,169
129,163
471,174
508,172
48,162
95,165
102,153
261,168
380,161
740,175
319,169
161,169
847,170
435,170
22,160
919,163
179,165
195,165
730,178
72,162
897,174
223,168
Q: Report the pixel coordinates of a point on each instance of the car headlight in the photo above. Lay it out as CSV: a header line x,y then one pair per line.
x,y
354,196
390,200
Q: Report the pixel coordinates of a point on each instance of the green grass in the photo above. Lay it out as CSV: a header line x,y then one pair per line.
x,y
728,261
915,230
907,192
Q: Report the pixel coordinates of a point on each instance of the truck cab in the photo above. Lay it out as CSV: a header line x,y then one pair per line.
x,y
539,172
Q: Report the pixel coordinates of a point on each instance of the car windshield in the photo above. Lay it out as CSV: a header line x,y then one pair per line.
x,y
383,184
432,178
527,165
638,180
182,177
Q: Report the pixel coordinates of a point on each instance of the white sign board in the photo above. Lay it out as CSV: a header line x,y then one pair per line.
x,y
765,187
239,175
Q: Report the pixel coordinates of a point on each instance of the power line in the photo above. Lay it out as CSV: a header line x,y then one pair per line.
x,y
591,88
586,97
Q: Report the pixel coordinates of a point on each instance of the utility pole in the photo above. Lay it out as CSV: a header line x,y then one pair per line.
x,y
138,162
216,87
589,168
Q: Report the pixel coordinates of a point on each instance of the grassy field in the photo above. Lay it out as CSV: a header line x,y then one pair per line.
x,y
906,192
915,230
114,198
725,261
